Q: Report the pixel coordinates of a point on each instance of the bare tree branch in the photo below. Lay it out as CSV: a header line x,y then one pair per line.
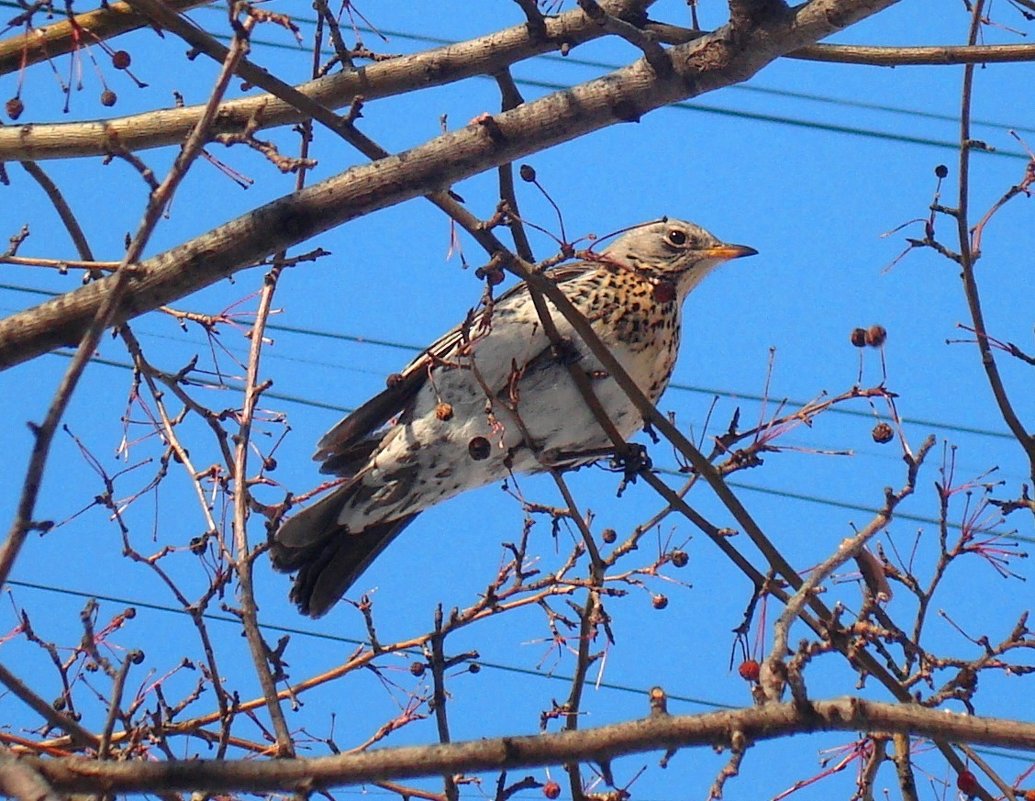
x,y
625,95
658,732
21,782
484,55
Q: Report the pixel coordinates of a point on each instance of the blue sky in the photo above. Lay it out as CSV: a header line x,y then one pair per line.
x,y
815,202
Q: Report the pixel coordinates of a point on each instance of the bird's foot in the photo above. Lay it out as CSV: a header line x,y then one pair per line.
x,y
631,461
565,352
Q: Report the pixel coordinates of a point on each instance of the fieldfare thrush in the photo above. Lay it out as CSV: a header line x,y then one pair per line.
x,y
493,397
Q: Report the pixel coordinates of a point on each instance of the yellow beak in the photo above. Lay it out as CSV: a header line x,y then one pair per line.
x,y
729,251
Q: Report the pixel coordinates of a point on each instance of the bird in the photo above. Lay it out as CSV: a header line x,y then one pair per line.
x,y
494,397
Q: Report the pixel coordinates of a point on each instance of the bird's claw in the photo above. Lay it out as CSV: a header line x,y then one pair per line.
x,y
631,460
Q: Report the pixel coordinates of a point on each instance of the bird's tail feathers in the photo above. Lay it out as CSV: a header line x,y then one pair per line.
x,y
327,557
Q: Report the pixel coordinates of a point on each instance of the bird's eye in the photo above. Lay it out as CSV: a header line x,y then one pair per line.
x,y
677,237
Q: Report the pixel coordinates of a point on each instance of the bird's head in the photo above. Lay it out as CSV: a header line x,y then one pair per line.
x,y
674,251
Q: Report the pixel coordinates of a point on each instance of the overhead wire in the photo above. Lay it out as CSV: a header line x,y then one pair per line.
x,y
580,61
776,119
411,348
338,638
279,628
733,484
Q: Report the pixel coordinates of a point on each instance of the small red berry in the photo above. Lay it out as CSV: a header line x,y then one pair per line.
x,y
967,782
876,335
120,60
108,98
417,668
609,535
552,790
444,411
679,558
859,337
749,670
659,601
527,173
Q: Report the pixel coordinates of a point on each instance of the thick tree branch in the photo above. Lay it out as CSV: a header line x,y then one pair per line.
x,y
625,95
875,55
21,782
484,55
655,733
931,55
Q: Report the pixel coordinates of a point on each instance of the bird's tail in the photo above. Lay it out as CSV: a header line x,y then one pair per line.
x,y
326,557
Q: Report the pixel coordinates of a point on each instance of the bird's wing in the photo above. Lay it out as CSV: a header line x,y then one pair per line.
x,y
349,439
353,430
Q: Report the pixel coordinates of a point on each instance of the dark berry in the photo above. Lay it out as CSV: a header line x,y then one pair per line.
x,y
664,292
876,335
15,107
479,448
527,173
967,782
551,790
108,98
941,170
882,433
120,60
679,558
609,535
859,337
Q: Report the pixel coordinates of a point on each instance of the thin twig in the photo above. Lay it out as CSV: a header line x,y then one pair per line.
x,y
968,256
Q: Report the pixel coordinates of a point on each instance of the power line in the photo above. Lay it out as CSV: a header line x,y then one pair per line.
x,y
667,471
787,494
414,349
577,61
777,119
326,636
322,635
572,60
